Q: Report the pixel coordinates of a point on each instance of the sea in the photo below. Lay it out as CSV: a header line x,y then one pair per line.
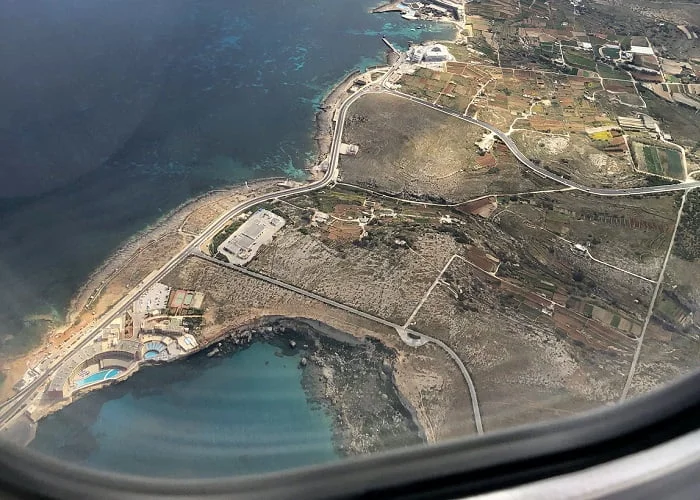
x,y
113,113
242,414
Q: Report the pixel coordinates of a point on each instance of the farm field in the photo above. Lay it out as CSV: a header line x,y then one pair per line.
x,y
590,160
495,9
632,233
657,160
579,59
607,71
611,52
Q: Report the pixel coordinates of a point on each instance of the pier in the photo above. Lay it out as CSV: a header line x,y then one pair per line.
x,y
388,44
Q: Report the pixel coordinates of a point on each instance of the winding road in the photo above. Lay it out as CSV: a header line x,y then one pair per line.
x,y
539,169
13,406
409,337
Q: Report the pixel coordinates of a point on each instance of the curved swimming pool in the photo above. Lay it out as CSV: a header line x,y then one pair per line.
x,y
100,376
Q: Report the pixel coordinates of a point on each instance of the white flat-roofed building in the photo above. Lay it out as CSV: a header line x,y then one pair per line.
x,y
641,45
187,342
243,244
630,123
645,51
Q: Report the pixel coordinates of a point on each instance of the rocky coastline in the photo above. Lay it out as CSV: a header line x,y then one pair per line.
x,y
350,378
324,116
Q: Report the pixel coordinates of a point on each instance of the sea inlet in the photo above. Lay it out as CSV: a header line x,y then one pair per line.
x,y
202,417
284,395
120,112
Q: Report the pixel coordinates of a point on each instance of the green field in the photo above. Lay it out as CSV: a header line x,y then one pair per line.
x,y
652,161
326,201
547,49
658,160
611,53
579,59
675,164
607,71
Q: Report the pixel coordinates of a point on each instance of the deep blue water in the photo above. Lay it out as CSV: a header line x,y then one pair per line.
x,y
242,414
113,112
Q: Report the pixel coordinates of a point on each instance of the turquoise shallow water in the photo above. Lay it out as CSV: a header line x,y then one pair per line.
x,y
117,111
126,109
99,377
202,417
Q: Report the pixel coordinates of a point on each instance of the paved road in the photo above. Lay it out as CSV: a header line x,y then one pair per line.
x,y
300,291
652,303
416,339
14,405
541,170
467,378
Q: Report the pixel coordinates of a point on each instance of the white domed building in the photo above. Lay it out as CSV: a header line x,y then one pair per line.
x,y
437,53
433,53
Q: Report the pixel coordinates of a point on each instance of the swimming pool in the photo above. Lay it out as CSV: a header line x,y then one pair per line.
x,y
99,377
150,354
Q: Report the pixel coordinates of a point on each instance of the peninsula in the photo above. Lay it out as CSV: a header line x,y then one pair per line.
x,y
519,241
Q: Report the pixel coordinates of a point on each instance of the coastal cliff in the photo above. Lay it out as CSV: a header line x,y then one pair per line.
x,y
351,378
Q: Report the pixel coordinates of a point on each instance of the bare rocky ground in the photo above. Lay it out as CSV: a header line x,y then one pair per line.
x,y
430,384
419,381
409,150
524,371
666,355
526,366
576,158
671,346
529,365
387,282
